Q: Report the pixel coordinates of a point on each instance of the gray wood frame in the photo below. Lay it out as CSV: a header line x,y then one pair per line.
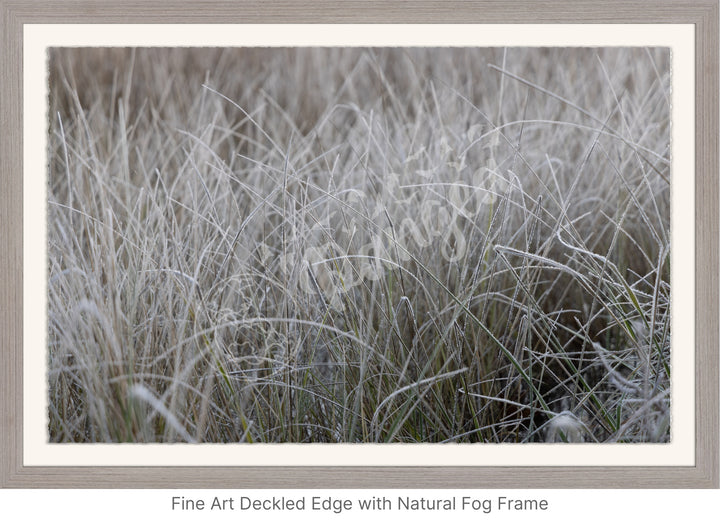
x,y
702,13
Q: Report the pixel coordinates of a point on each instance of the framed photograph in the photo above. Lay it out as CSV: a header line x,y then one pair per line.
x,y
340,245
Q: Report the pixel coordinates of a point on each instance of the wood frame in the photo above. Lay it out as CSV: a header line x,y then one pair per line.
x,y
703,14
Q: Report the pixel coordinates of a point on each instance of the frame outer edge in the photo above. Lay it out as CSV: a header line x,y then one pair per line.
x,y
362,11
707,225
704,13
11,253
11,299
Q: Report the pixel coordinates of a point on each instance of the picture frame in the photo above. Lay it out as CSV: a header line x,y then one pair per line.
x,y
703,14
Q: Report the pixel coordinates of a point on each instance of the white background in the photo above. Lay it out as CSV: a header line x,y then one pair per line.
x,y
565,506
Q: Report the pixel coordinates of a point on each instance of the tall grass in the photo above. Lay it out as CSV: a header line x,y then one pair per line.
x,y
359,245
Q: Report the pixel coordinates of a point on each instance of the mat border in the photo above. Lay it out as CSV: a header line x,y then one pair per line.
x,y
703,14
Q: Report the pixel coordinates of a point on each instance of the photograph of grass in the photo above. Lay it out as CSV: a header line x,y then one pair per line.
x,y
359,245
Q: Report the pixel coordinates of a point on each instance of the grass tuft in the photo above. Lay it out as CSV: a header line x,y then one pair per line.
x,y
359,245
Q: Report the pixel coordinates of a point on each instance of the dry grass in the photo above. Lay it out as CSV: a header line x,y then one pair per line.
x,y
359,245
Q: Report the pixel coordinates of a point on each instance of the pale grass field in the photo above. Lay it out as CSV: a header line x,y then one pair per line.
x,y
359,245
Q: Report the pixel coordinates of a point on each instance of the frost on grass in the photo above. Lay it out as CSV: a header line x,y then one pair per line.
x,y
359,245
